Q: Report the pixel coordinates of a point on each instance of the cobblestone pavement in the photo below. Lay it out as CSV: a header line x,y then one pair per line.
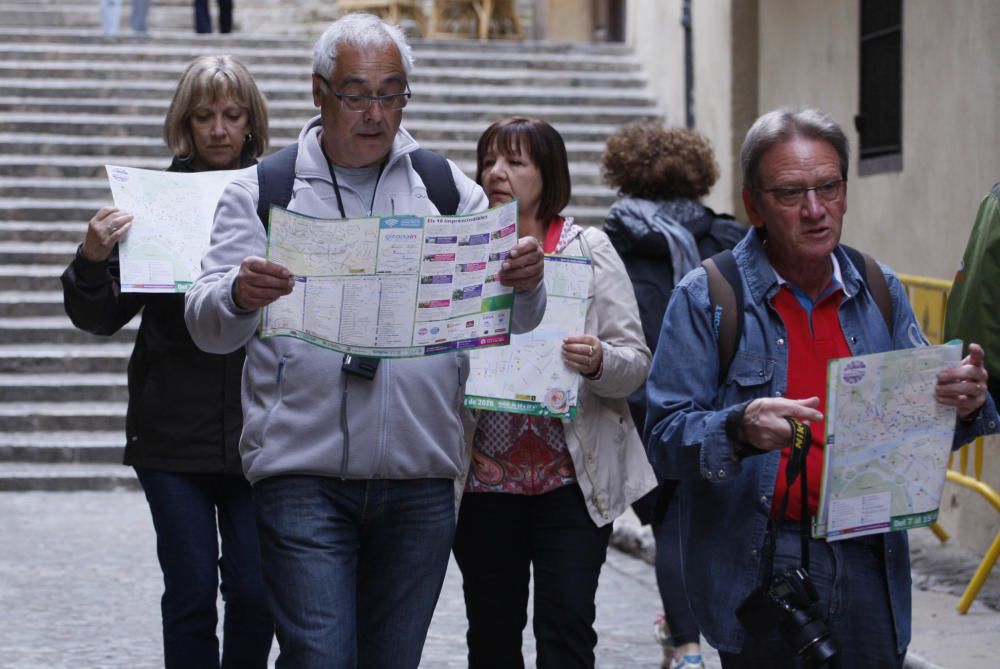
x,y
80,587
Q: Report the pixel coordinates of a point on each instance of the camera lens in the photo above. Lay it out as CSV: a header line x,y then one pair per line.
x,y
811,640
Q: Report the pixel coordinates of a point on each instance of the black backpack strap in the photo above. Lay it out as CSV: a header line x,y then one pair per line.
x,y
275,179
725,294
436,174
874,279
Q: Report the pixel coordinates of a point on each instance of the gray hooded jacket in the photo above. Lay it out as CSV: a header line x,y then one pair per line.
x,y
301,414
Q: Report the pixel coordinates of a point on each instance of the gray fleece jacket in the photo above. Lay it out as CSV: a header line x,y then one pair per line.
x,y
301,414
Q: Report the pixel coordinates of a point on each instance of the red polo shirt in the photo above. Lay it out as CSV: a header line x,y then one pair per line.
x,y
814,338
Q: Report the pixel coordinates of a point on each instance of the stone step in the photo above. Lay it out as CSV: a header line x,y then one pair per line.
x,y
44,252
263,72
27,277
66,477
29,209
93,446
115,149
57,330
54,416
289,19
46,358
30,277
63,387
432,94
92,167
86,16
97,126
17,303
261,40
89,3
301,109
298,57
119,148
31,231
97,189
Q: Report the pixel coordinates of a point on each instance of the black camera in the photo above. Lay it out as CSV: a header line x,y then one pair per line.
x,y
359,366
789,602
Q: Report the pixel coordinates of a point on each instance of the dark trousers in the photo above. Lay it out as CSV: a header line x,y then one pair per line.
x,y
849,576
203,17
670,578
498,539
190,513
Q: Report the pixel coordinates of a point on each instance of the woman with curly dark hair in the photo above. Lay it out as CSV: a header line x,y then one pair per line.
x,y
662,232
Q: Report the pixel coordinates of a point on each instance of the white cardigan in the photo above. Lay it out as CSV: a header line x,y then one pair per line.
x,y
607,452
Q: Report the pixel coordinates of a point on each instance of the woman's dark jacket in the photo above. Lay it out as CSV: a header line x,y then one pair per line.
x,y
184,411
646,254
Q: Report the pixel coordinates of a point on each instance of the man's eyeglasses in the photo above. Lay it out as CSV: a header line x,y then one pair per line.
x,y
790,197
360,103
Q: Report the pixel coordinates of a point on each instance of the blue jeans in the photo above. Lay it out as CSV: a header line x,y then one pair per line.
x,y
203,17
849,576
502,540
111,15
186,509
353,567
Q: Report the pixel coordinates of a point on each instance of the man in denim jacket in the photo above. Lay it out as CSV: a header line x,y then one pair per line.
x,y
805,303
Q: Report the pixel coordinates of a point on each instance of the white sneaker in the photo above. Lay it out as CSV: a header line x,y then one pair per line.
x,y
688,662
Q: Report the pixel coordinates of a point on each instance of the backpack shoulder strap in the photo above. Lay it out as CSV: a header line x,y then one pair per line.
x,y
874,279
275,179
725,294
435,172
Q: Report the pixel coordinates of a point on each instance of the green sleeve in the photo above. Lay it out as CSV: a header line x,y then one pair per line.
x,y
974,302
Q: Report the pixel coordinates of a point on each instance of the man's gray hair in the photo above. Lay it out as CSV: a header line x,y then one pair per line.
x,y
782,125
362,31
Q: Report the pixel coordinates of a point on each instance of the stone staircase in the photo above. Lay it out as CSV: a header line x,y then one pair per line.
x,y
72,100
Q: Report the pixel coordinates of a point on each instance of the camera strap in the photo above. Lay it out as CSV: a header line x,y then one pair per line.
x,y
795,469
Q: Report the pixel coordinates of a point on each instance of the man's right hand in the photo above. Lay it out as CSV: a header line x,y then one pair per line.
x,y
764,425
261,282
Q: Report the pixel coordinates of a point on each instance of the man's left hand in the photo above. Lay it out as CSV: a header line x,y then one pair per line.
x,y
964,386
522,270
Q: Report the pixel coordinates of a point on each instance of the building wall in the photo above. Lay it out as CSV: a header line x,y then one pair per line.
x,y
916,220
567,21
654,31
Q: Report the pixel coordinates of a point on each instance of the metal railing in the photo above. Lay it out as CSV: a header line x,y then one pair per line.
x,y
929,299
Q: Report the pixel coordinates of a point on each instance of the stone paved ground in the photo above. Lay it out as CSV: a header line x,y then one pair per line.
x,y
79,588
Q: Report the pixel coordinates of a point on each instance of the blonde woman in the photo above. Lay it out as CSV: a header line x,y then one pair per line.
x,y
184,417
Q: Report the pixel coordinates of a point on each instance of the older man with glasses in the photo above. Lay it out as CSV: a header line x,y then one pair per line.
x,y
737,442
353,467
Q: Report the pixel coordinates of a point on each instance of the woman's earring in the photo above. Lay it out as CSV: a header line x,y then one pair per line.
x,y
249,138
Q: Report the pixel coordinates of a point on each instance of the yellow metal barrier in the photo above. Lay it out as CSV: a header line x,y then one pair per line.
x,y
929,299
